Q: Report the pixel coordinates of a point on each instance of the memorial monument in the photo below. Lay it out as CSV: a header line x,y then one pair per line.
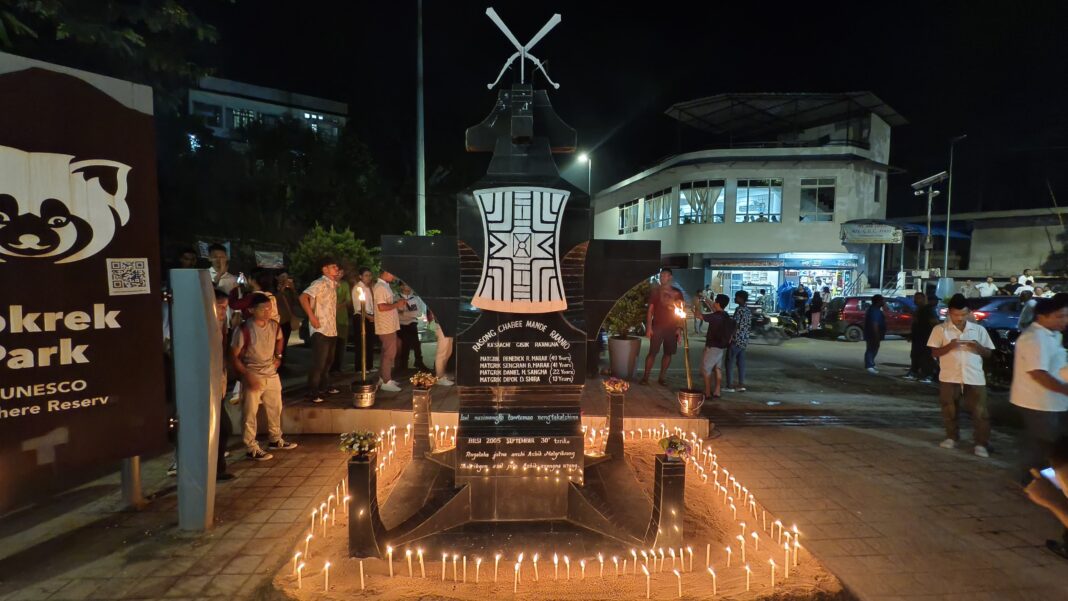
x,y
523,288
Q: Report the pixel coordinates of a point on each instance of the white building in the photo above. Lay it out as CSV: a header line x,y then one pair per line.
x,y
769,208
227,106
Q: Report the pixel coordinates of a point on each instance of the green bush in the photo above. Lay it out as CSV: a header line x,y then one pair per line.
x,y
629,311
343,246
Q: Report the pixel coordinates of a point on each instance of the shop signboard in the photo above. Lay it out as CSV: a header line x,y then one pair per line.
x,y
871,233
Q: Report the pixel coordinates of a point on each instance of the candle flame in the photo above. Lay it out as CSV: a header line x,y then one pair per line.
x,y
362,297
680,312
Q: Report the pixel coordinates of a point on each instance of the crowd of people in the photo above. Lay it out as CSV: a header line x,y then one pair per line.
x,y
258,315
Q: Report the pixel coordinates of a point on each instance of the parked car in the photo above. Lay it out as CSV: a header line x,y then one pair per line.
x,y
994,312
845,317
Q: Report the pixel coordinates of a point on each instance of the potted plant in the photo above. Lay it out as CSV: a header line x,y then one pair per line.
x,y
676,448
360,445
626,316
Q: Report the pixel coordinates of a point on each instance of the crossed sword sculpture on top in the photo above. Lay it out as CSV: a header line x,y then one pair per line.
x,y
522,52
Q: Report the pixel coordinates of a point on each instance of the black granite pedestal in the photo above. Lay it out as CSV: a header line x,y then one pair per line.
x,y
614,444
669,504
366,531
420,423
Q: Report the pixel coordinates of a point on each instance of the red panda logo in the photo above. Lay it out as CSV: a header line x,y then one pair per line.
x,y
57,209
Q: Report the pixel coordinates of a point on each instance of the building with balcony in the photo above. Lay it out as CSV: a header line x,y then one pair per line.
x,y
767,205
228,106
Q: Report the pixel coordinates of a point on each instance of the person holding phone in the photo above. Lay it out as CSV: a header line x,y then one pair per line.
x,y
1047,489
960,346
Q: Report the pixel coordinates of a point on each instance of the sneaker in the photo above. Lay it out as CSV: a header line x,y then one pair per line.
x,y
333,390
980,451
730,390
873,371
445,382
391,386
259,455
909,376
314,398
740,389
225,477
927,381
173,469
281,445
949,443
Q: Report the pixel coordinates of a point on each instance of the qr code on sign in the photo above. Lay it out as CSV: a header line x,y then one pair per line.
x,y
127,276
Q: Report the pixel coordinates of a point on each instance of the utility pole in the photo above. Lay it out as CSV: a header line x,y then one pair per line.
x,y
949,202
420,160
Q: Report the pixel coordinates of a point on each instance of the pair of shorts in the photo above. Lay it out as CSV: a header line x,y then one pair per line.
x,y
667,338
712,359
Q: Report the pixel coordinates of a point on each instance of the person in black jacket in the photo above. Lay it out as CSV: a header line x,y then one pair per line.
x,y
874,331
923,322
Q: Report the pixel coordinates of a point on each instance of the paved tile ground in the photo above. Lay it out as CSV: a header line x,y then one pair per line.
x,y
897,518
143,555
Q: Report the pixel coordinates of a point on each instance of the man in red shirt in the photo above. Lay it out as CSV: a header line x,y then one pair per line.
x,y
662,325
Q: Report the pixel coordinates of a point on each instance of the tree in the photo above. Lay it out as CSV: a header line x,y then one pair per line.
x,y
341,245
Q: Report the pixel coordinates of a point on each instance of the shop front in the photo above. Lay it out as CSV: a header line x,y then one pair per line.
x,y
763,276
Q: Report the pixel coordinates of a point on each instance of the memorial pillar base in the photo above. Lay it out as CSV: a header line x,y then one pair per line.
x,y
420,423
366,531
614,444
669,504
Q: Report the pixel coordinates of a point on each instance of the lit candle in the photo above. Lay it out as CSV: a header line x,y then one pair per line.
x,y
315,512
582,564
422,568
346,499
556,567
326,576
742,524
777,524
496,562
600,558
444,562
662,559
515,579
567,564
713,573
331,500
333,515
624,566
672,558
708,554
296,558
615,561
678,577
741,541
455,560
786,560
756,541
465,570
389,554
764,519
690,551
728,557
322,516
478,568
361,574
645,558
772,562
747,573
647,585
734,511
307,541
797,547
408,556
300,569
520,560
535,567
682,561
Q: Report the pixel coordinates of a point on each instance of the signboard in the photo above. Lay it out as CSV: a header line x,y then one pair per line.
x,y
81,351
871,233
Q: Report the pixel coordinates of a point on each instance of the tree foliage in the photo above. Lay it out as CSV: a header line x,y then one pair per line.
x,y
629,311
342,245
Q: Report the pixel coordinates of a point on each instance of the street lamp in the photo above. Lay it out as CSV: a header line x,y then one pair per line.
x,y
949,202
585,158
926,187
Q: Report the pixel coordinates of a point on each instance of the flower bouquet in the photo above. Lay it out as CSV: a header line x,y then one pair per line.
x,y
423,379
676,449
358,444
616,385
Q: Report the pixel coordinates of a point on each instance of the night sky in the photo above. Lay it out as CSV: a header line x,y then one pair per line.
x,y
995,71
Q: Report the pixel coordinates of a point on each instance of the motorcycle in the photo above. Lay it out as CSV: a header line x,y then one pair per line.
x,y
766,327
998,367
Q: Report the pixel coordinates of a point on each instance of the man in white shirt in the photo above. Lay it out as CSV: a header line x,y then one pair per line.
x,y
364,281
987,288
319,301
960,347
1038,393
1021,280
1029,286
219,271
387,322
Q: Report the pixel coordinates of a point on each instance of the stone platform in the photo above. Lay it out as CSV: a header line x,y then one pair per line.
x,y
648,406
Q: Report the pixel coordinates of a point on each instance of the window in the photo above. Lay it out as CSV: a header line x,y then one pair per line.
x,y
210,113
658,209
817,199
701,202
759,201
878,187
242,118
628,217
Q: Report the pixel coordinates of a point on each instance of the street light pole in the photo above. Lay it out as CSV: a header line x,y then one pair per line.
x,y
585,158
949,203
420,160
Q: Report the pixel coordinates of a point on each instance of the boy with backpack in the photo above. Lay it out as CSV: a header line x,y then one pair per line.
x,y
720,333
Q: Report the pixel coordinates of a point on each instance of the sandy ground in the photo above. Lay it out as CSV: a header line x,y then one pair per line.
x,y
708,523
